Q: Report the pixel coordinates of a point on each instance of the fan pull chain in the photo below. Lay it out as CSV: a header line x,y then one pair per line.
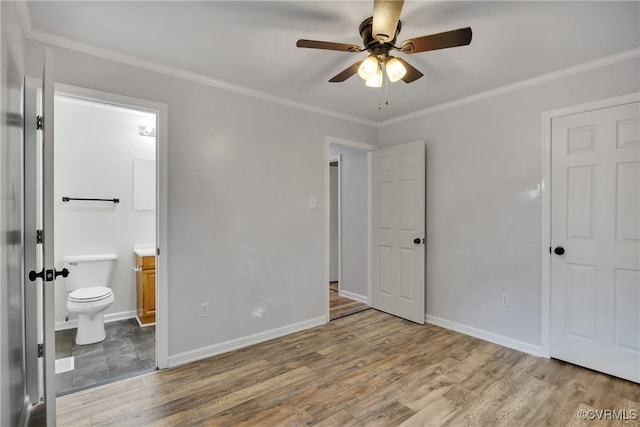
x,y
386,85
380,92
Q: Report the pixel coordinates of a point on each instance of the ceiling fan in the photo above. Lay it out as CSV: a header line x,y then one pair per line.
x,y
379,34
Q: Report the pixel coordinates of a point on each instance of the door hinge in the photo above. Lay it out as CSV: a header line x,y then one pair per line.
x,y
38,236
39,122
158,251
40,350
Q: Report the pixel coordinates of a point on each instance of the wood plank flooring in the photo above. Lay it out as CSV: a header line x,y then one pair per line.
x,y
340,306
367,369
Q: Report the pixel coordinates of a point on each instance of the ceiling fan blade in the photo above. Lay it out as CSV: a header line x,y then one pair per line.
x,y
386,14
459,37
346,73
412,72
316,44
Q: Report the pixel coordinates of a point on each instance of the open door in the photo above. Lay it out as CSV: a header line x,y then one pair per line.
x,y
399,231
39,260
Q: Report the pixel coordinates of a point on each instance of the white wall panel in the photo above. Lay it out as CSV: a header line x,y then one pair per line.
x,y
627,308
628,201
580,201
580,300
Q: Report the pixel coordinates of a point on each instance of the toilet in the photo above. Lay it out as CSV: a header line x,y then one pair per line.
x,y
89,287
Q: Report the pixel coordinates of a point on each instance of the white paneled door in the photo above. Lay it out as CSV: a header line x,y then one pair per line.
x,y
398,230
595,233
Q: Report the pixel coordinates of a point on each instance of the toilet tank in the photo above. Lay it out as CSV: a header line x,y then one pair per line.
x,y
86,271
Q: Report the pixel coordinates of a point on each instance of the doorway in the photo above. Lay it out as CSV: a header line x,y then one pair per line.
x,y
105,204
348,227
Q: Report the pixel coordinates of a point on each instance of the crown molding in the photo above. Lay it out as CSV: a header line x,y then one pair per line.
x,y
65,43
25,17
577,69
43,37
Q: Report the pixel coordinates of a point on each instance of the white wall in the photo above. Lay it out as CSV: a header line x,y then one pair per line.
x,y
483,199
12,67
241,235
353,225
96,145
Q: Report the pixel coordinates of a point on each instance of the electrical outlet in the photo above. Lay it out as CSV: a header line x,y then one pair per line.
x,y
505,299
204,309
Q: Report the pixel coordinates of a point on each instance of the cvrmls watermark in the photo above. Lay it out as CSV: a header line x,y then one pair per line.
x,y
608,414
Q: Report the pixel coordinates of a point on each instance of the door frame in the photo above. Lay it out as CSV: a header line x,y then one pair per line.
x,y
339,225
369,148
545,202
161,111
32,210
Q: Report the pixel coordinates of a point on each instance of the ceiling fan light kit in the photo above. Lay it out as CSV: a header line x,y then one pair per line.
x,y
375,80
369,67
379,37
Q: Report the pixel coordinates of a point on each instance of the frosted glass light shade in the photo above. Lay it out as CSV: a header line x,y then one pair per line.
x,y
369,67
376,80
395,70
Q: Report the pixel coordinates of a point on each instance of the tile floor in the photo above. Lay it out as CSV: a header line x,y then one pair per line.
x,y
127,350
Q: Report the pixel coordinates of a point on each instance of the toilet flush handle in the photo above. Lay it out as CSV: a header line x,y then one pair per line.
x,y
136,268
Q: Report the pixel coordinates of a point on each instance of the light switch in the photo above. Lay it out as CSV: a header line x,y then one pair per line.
x,y
313,202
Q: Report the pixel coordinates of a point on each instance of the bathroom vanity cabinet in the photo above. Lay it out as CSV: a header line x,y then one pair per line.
x,y
146,288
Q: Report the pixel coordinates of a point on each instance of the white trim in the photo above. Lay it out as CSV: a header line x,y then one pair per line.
x,y
144,325
369,227
25,18
545,237
337,159
183,74
327,230
332,140
485,335
25,415
108,318
162,135
545,189
234,344
587,66
355,297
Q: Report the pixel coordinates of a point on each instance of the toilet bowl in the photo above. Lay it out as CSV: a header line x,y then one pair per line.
x,y
90,294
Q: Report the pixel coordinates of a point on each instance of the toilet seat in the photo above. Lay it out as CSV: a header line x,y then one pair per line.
x,y
84,295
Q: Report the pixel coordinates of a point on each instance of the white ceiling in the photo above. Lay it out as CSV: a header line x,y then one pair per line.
x,y
252,44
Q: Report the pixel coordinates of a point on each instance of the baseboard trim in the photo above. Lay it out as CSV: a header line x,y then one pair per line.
x,y
356,297
25,416
110,317
234,344
524,347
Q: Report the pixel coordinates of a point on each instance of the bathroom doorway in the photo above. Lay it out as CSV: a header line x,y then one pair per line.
x,y
106,204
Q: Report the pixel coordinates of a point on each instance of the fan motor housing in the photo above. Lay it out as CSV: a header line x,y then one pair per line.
x,y
370,43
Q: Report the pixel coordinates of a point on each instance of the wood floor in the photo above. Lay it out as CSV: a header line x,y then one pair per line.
x,y
340,306
367,369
